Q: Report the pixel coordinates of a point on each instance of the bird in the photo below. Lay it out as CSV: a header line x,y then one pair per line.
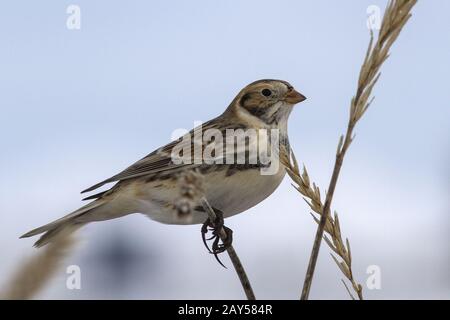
x,y
150,186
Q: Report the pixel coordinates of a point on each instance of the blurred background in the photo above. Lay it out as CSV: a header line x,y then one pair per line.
x,y
77,106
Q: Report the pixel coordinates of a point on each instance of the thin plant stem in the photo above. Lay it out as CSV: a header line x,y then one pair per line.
x,y
396,16
311,194
32,275
231,253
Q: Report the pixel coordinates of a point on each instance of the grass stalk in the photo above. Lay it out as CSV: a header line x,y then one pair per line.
x,y
245,282
34,274
395,17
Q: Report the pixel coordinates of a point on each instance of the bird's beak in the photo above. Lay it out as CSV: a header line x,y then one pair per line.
x,y
294,97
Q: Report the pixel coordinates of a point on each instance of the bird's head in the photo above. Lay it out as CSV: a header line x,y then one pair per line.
x,y
270,101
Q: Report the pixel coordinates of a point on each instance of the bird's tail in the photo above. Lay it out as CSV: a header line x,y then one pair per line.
x,y
64,225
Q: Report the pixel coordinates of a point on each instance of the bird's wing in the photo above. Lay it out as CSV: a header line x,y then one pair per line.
x,y
160,160
157,161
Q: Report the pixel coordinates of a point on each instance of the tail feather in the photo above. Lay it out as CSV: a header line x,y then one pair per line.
x,y
67,223
57,233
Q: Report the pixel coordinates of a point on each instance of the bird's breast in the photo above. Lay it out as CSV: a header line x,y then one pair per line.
x,y
233,191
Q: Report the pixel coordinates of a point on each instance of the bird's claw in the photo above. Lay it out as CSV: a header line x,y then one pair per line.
x,y
216,228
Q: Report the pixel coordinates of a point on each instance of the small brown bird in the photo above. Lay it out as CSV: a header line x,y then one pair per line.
x,y
149,186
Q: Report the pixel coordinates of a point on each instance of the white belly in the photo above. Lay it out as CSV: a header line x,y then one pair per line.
x,y
231,195
241,191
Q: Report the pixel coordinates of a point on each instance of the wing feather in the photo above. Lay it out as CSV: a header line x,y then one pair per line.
x,y
158,161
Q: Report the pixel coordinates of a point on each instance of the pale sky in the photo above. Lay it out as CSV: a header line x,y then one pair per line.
x,y
80,105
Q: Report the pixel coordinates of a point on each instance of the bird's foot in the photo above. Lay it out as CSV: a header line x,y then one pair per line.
x,y
219,244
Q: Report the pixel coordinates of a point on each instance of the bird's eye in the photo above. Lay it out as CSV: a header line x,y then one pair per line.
x,y
266,93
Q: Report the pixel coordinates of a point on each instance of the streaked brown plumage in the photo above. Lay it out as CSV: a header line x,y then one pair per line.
x,y
150,185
